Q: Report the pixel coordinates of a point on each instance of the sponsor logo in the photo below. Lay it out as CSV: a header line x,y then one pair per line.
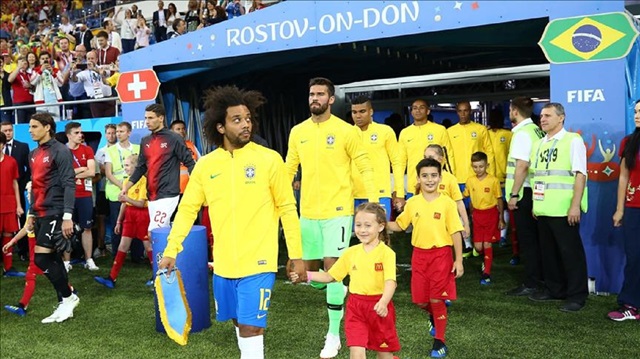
x,y
591,95
260,316
436,215
215,175
487,190
341,248
441,187
262,262
379,267
304,141
445,294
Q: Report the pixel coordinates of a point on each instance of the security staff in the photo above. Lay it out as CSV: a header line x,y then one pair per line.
x,y
559,166
518,192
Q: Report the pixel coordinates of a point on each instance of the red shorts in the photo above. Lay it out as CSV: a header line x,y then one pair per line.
x,y
364,328
485,225
136,223
9,222
431,276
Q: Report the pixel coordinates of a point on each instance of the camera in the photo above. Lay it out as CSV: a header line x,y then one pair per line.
x,y
81,66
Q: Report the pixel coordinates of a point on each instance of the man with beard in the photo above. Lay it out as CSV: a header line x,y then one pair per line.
x,y
325,146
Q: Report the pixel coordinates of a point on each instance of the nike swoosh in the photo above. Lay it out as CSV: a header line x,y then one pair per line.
x,y
410,140
340,248
261,316
304,141
216,175
456,136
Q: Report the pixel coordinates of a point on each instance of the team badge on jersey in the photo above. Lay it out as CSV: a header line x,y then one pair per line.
x,y
503,139
250,172
331,139
441,187
474,134
379,267
374,137
436,215
430,137
487,190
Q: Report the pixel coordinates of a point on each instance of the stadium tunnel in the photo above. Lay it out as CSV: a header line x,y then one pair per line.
x,y
482,51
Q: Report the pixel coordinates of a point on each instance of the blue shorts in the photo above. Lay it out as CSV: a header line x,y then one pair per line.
x,y
465,200
384,202
246,299
83,212
408,195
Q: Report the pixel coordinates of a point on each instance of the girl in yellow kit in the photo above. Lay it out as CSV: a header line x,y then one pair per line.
x,y
372,267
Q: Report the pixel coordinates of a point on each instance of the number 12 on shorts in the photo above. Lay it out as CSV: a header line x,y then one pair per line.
x,y
265,299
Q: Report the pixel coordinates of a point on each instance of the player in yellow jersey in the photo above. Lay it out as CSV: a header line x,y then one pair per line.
x,y
380,142
415,138
436,229
325,146
468,137
247,189
487,211
500,141
372,267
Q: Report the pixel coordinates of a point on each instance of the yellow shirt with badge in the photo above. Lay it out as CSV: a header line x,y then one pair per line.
x,y
466,140
325,151
500,142
434,222
381,144
137,192
414,140
247,193
368,270
448,186
484,192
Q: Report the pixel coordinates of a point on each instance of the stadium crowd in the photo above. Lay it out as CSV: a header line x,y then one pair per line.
x,y
468,188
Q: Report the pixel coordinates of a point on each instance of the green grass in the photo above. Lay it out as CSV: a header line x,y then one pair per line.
x,y
483,323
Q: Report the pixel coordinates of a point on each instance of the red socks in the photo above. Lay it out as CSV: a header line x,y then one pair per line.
x,y
117,265
439,311
488,260
30,285
150,256
7,258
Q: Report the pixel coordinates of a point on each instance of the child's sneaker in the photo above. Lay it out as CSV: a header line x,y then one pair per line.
x,y
107,282
515,260
91,265
626,312
486,279
16,309
439,349
432,327
503,243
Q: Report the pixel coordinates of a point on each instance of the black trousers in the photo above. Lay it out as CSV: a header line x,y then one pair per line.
x,y
529,241
564,263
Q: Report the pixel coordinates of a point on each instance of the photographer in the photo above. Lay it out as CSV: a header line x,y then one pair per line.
x,y
48,81
93,79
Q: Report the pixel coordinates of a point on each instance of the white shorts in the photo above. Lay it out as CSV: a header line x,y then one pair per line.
x,y
160,212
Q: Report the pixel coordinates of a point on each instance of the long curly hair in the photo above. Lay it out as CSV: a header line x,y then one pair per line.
x,y
216,102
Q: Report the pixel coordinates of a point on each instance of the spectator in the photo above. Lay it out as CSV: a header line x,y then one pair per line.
x,y
65,25
257,5
142,34
173,15
94,81
21,85
192,16
9,65
114,38
5,93
235,9
134,11
76,89
23,51
127,30
32,61
160,22
106,54
179,28
83,36
213,14
47,81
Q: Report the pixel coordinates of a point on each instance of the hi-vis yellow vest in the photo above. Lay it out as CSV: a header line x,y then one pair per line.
x,y
551,170
535,134
117,156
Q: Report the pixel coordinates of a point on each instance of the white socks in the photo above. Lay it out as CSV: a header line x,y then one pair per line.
x,y
252,347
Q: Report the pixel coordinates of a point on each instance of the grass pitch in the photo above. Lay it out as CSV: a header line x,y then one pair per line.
x,y
483,323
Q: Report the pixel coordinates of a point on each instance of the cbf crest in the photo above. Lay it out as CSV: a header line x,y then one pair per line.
x,y
503,139
374,137
249,173
430,137
474,134
331,139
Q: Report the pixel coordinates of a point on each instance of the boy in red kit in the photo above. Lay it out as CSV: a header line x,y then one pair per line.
x,y
133,222
436,229
487,211
10,208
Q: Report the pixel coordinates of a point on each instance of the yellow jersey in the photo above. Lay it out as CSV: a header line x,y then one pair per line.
x,y
325,151
138,191
414,140
381,144
368,271
448,186
247,191
484,193
467,139
500,141
434,222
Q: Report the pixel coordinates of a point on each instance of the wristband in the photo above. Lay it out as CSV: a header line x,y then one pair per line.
x,y
67,217
515,195
308,277
118,222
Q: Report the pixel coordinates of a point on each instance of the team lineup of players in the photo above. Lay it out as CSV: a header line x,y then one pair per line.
x,y
346,171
